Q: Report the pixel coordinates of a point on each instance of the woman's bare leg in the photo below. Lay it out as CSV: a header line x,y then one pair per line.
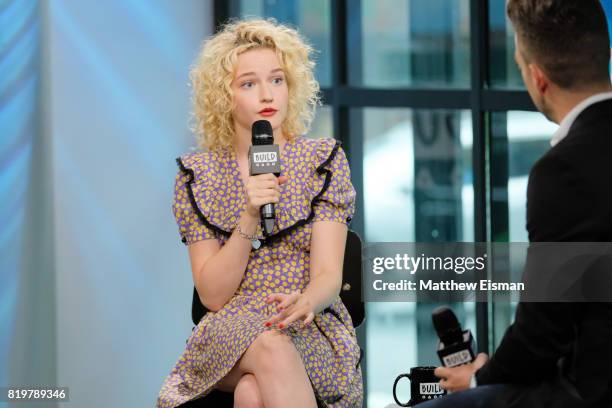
x,y
278,370
247,394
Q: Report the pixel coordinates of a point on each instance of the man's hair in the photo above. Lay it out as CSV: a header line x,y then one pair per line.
x,y
568,38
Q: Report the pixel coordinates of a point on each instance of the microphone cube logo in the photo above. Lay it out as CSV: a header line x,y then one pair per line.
x,y
265,158
458,358
430,389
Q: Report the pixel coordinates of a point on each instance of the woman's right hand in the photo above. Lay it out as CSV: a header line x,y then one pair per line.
x,y
262,189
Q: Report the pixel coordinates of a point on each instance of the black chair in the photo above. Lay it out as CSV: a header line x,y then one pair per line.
x,y
351,295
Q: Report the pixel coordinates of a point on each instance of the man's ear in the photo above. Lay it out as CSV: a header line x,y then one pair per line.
x,y
539,78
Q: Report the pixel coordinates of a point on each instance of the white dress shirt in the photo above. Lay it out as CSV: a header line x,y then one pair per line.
x,y
569,119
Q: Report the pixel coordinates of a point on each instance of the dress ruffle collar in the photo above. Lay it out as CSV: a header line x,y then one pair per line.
x,y
216,189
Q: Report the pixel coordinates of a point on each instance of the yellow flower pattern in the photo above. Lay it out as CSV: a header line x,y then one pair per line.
x,y
208,201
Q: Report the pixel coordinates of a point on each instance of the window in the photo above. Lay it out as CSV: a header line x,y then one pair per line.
x,y
441,136
414,43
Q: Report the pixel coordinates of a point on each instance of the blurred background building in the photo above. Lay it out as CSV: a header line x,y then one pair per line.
x,y
95,286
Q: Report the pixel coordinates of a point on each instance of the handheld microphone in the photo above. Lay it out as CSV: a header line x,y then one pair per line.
x,y
456,346
264,158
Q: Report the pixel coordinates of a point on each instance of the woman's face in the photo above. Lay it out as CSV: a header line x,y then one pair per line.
x,y
260,90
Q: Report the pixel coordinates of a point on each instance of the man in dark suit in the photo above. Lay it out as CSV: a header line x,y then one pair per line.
x,y
557,354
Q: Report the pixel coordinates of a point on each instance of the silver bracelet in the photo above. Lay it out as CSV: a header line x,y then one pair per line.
x,y
255,242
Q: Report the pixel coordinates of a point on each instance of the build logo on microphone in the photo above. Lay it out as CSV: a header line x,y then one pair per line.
x,y
458,358
265,158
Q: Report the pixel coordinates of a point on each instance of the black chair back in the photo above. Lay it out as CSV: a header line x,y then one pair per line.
x,y
351,292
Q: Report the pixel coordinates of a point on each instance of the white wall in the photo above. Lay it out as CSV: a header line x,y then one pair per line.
x,y
118,108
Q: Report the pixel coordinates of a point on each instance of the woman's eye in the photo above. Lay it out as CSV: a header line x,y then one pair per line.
x,y
247,84
278,80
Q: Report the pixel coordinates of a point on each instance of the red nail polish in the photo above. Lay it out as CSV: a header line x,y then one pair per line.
x,y
268,324
280,326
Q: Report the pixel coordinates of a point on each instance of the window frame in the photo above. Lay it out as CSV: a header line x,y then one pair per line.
x,y
479,98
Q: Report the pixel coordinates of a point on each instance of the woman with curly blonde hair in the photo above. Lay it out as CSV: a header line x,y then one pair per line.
x,y
276,332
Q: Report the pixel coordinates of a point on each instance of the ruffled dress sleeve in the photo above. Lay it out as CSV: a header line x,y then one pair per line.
x,y
336,199
191,227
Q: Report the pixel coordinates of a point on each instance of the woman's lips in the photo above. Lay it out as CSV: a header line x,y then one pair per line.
x,y
267,112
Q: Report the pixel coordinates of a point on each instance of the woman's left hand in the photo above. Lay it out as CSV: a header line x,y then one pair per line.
x,y
291,307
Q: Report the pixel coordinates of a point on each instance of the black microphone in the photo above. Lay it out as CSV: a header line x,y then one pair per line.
x,y
264,158
456,346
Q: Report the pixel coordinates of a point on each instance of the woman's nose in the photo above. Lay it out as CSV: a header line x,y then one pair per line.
x,y
266,94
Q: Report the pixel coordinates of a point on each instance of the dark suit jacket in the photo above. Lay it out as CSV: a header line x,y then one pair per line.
x,y
569,198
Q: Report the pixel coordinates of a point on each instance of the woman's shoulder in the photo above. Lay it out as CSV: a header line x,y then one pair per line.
x,y
202,163
206,184
321,151
317,144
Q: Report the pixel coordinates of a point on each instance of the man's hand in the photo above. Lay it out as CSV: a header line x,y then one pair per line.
x,y
458,378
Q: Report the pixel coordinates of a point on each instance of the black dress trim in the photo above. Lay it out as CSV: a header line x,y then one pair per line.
x,y
321,169
194,204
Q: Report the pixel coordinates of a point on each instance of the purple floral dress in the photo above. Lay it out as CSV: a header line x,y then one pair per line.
x,y
209,198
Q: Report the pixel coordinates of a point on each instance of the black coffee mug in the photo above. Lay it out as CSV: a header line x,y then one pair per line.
x,y
424,386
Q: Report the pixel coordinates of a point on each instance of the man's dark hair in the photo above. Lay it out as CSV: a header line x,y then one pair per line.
x,y
567,38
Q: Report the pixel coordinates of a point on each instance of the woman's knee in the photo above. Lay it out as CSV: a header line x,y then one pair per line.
x,y
274,350
246,394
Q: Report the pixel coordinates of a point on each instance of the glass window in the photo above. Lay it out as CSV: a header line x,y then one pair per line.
x,y
503,69
414,43
607,6
529,135
417,173
311,17
322,125
519,139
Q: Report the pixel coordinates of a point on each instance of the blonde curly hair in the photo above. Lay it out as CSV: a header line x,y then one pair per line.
x,y
215,68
